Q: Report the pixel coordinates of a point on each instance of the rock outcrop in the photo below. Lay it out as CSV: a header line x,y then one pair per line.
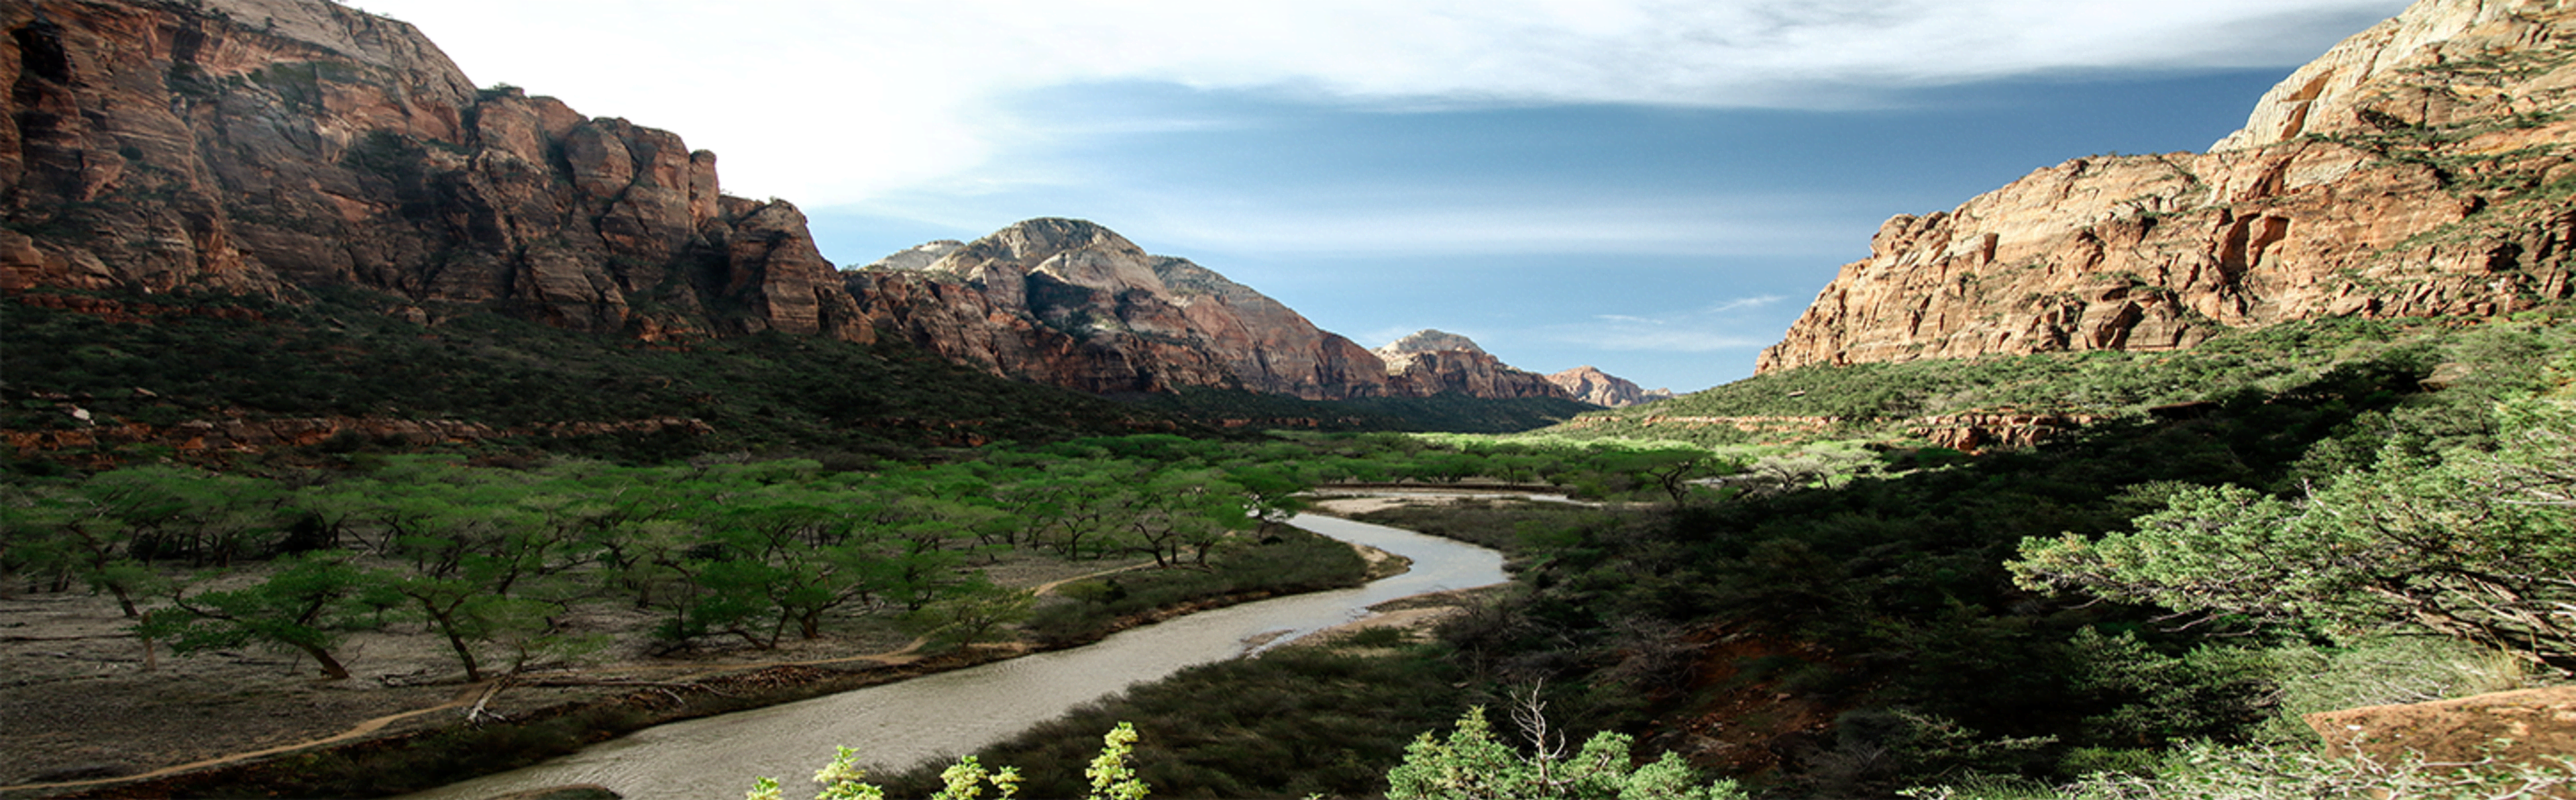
x,y
2531,726
1070,303
272,146
1589,384
2421,168
1433,362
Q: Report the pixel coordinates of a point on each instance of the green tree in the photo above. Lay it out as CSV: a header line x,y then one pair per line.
x,y
1470,764
2476,545
304,607
1112,777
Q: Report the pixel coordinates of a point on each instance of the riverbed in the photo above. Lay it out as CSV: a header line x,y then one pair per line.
x,y
938,716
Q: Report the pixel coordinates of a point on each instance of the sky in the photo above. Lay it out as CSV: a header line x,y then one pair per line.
x,y
1653,187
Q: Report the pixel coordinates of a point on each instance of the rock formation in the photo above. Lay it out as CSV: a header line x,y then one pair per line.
x,y
1589,384
1070,303
1433,362
918,256
2531,726
2421,168
273,146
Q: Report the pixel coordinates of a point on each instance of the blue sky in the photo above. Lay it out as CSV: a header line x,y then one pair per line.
x,y
1655,188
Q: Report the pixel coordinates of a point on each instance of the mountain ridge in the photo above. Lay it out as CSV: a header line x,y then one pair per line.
x,y
2421,168
273,147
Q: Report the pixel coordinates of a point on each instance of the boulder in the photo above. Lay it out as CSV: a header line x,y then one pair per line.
x,y
2510,727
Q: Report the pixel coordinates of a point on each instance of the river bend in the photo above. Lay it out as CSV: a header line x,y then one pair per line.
x,y
933,716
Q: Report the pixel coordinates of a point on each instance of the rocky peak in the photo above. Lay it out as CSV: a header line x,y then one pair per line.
x,y
1589,384
1430,362
919,256
2417,169
1070,251
2360,79
1071,303
1424,341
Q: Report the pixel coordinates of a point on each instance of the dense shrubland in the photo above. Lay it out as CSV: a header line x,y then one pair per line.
x,y
2351,539
169,359
1874,400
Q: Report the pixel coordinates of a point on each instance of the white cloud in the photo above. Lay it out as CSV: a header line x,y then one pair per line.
x,y
830,102
1203,222
1717,327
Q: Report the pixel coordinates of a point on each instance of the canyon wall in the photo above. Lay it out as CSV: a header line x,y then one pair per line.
x,y
285,147
278,146
2420,168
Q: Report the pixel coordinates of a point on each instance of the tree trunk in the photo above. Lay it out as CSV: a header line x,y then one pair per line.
x,y
447,626
330,666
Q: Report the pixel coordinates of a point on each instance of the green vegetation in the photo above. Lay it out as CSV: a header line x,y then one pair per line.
x,y
487,558
346,355
1112,776
1294,721
1471,765
1442,413
1892,610
350,354
2350,512
1875,400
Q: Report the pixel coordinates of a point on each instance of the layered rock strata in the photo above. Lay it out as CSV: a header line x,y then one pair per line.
x,y
1070,303
1431,362
1589,384
2421,168
270,146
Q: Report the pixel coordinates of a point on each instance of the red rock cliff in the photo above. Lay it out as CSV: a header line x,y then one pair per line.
x,y
2420,168
1070,303
1589,384
263,146
1438,362
275,146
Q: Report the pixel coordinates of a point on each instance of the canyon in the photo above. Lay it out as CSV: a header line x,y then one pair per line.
x,y
2422,168
282,147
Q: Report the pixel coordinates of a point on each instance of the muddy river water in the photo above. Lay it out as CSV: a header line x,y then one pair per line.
x,y
901,724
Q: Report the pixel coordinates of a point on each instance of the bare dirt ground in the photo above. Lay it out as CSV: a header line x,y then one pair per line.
x,y
81,703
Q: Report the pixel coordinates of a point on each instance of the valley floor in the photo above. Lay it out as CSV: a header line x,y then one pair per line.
x,y
84,705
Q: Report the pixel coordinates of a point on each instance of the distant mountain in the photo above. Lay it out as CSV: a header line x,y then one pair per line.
x,y
2424,167
918,256
1589,384
1069,303
1433,362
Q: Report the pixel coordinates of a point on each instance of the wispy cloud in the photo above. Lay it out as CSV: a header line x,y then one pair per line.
x,y
1724,325
835,102
1213,222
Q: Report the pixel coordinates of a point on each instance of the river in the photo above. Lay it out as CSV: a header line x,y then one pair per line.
x,y
934,716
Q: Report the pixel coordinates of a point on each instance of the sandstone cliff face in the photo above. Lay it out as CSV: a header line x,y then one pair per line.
x,y
275,146
1073,304
1589,384
1438,362
1070,303
2418,169
265,146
